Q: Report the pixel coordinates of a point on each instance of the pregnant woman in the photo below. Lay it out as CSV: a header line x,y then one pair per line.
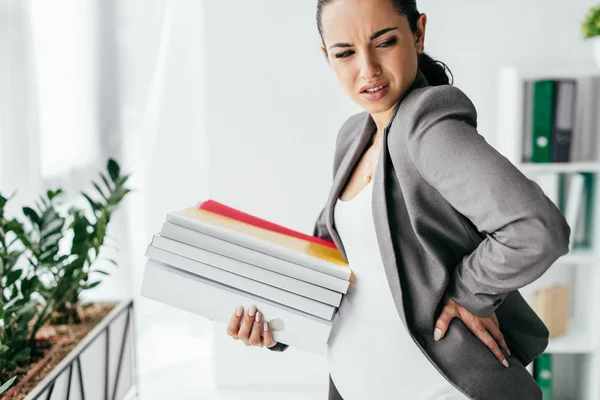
x,y
439,228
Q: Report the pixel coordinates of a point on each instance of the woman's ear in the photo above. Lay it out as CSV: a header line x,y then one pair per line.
x,y
324,50
421,25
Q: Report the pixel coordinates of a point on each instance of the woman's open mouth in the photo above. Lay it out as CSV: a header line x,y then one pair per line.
x,y
376,93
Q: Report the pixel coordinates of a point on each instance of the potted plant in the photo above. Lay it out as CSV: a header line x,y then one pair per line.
x,y
591,30
44,327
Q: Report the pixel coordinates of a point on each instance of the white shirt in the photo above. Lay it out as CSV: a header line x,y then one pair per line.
x,y
370,354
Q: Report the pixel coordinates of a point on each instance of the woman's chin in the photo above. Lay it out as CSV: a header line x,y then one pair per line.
x,y
377,107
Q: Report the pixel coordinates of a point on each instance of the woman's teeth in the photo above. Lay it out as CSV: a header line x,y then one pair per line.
x,y
375,89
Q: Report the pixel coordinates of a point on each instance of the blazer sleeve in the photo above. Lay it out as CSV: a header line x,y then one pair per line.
x,y
525,232
320,229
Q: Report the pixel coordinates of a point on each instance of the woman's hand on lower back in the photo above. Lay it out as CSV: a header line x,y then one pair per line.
x,y
487,329
249,331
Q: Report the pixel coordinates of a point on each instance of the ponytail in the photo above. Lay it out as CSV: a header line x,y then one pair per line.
x,y
434,72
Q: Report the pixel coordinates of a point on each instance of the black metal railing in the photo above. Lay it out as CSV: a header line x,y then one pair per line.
x,y
74,358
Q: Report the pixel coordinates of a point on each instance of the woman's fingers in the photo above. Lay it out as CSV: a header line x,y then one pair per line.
x,y
249,331
493,329
441,325
487,329
234,323
247,323
495,320
480,330
268,336
255,338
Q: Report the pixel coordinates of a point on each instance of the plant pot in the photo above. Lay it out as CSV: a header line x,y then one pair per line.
x,y
101,362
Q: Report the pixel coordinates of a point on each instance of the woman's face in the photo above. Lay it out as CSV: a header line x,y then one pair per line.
x,y
367,42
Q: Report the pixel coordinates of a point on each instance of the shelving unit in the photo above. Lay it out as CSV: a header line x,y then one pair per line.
x,y
576,355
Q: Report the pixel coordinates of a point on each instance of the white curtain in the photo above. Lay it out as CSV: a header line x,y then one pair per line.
x,y
161,92
84,80
19,123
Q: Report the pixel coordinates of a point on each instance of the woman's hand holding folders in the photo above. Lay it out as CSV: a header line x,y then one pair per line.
x,y
249,331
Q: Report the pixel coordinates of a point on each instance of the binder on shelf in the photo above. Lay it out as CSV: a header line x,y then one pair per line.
x,y
564,120
584,146
543,375
585,227
549,120
577,203
549,182
542,123
527,137
574,201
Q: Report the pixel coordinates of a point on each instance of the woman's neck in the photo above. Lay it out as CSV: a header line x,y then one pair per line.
x,y
383,118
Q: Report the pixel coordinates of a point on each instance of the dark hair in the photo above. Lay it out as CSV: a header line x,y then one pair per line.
x,y
433,71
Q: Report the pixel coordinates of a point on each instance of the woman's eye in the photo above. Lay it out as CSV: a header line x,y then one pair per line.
x,y
344,54
388,43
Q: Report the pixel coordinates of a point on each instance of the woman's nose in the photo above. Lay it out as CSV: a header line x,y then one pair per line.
x,y
370,67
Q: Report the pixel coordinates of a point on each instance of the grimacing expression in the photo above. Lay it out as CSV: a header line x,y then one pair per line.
x,y
368,42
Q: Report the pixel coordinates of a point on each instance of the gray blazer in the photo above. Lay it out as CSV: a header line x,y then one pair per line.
x,y
454,216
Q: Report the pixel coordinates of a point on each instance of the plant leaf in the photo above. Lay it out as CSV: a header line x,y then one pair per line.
x,y
44,202
32,215
13,276
22,355
105,181
100,191
52,194
91,285
122,179
7,384
28,284
95,206
113,169
53,226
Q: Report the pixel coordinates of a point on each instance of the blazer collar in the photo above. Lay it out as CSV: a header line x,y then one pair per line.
x,y
367,127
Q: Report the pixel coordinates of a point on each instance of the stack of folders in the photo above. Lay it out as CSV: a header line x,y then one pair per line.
x,y
212,258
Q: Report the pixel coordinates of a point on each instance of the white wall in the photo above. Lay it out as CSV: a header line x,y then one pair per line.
x,y
273,111
474,38
274,108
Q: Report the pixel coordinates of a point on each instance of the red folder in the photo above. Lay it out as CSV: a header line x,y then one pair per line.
x,y
230,212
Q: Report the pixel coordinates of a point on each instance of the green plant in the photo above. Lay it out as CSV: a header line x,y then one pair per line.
x,y
590,26
47,284
88,237
16,301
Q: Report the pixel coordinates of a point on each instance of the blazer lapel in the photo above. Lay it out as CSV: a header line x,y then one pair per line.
x,y
343,173
385,236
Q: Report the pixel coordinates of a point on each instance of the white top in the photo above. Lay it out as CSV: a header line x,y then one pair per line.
x,y
369,353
